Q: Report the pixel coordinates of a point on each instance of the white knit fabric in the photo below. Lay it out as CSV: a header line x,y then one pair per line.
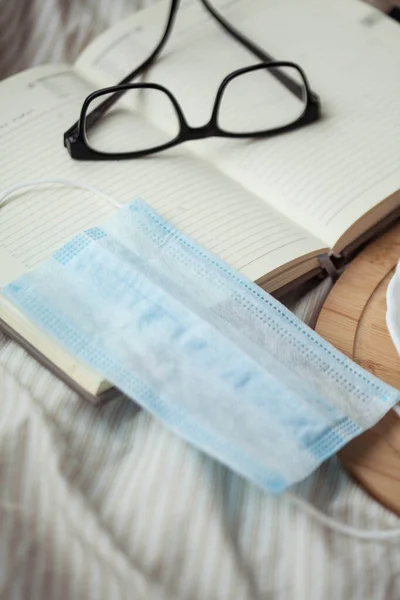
x,y
106,503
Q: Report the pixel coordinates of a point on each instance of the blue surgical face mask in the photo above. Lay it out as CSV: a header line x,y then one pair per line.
x,y
206,351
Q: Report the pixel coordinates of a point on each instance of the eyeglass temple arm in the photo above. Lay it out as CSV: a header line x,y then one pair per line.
x,y
104,106
289,82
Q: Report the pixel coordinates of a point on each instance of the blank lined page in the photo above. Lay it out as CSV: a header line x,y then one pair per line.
x,y
331,173
324,176
197,198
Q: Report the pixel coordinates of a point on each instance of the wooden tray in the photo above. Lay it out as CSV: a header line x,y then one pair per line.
x,y
353,319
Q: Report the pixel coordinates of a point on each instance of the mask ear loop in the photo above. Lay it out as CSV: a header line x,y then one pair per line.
x,y
58,181
372,535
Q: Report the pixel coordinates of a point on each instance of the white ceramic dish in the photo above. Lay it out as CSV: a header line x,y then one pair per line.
x,y
393,308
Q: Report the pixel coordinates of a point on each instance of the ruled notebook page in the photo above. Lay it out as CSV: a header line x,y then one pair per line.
x,y
38,106
324,176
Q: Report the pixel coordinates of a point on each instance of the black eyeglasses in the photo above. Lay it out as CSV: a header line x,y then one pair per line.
x,y
104,132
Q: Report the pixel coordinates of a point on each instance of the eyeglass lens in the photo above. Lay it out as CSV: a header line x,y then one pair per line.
x,y
258,101
126,128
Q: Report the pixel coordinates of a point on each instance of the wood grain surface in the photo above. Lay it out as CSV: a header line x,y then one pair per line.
x,y
353,319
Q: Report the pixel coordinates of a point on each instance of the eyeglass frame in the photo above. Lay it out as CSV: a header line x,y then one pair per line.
x,y
75,139
186,133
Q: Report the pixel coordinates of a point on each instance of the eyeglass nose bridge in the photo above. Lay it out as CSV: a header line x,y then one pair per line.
x,y
197,133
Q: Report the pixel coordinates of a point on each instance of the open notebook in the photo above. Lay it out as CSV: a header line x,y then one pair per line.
x,y
270,208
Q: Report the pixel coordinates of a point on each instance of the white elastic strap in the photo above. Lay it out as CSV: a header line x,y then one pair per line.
x,y
58,181
374,535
